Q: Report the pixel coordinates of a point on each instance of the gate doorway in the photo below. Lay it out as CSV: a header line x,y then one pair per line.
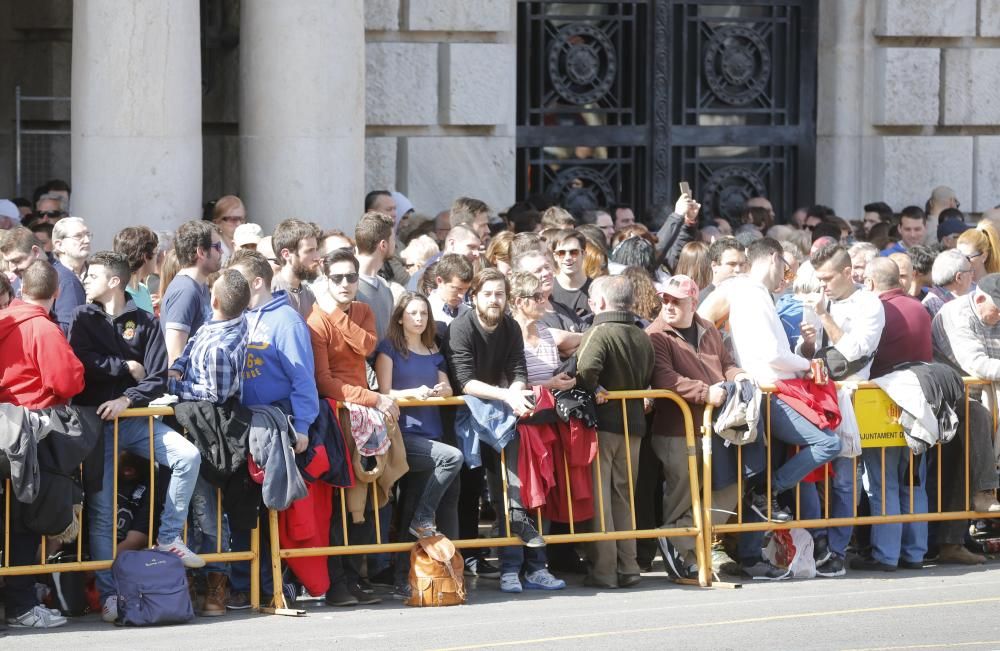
x,y
619,101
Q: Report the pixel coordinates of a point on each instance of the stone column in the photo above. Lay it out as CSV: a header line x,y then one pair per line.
x,y
302,111
136,114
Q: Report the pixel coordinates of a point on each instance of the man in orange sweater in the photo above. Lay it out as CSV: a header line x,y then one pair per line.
x,y
343,335
37,370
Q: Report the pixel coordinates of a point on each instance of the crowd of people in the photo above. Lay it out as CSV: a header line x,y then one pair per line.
x,y
287,356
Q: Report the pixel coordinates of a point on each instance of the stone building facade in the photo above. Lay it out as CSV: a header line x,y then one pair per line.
x,y
908,100
300,106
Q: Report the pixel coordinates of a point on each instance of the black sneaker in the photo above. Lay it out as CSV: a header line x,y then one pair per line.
x,y
487,570
834,566
870,565
522,527
759,503
764,571
339,595
364,598
821,550
910,565
673,565
401,591
365,585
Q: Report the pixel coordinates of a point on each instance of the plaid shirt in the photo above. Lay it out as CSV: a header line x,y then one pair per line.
x,y
211,365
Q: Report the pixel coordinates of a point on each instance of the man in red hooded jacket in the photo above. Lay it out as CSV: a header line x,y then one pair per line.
x,y
37,369
37,366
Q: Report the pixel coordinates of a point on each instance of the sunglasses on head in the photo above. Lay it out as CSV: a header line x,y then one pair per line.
x,y
337,279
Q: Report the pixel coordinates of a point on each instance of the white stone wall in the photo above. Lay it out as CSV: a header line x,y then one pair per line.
x,y
909,98
440,100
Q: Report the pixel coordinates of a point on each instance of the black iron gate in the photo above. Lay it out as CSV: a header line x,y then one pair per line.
x,y
618,101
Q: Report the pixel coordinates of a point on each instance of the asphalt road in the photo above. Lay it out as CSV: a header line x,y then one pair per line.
x,y
936,608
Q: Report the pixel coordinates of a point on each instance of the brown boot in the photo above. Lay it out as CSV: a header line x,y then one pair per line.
x,y
958,555
215,595
193,592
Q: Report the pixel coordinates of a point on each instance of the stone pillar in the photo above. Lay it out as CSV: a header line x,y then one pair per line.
x,y
136,114
302,111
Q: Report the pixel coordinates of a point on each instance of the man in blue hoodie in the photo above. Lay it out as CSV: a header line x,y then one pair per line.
x,y
122,350
279,366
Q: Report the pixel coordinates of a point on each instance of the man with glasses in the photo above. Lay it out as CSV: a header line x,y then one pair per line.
x,y
49,209
342,331
952,277
187,304
572,286
71,242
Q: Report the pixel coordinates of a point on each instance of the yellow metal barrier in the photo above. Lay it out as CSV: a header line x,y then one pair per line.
x,y
746,527
44,567
696,531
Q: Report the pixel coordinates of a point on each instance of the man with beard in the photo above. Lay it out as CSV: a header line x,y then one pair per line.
x,y
296,245
187,303
485,352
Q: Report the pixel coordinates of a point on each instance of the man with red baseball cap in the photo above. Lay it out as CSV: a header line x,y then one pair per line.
x,y
690,359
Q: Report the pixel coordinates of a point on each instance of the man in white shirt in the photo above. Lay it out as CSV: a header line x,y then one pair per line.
x,y
762,350
852,320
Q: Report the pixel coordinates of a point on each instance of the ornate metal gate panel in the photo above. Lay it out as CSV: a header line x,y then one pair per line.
x,y
618,101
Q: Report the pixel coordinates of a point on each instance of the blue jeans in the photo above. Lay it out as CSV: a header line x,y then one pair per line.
x,y
203,532
170,449
842,493
817,446
906,540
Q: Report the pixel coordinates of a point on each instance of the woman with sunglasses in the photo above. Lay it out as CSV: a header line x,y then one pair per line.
x,y
228,214
981,247
410,365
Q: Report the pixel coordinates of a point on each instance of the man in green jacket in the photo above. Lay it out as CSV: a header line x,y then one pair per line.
x,y
615,355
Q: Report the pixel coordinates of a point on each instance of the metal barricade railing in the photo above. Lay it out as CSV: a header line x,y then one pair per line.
x,y
44,567
697,530
740,526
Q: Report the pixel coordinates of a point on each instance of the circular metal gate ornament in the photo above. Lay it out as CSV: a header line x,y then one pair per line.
x,y
582,63
737,64
582,186
728,189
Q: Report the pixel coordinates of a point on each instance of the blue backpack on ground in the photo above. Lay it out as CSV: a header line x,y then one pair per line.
x,y
152,588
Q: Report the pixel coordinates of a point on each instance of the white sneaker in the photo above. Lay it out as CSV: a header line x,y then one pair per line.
x,y
109,612
543,580
181,551
37,617
509,582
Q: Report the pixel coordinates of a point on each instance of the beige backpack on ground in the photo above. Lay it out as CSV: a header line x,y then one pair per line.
x,y
436,573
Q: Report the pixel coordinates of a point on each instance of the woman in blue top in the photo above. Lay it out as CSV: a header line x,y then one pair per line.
x,y
409,365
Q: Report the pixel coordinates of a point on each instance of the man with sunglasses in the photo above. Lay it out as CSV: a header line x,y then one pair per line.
x,y
49,209
187,304
343,334
689,358
572,286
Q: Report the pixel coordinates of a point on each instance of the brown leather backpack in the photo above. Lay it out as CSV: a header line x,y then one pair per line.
x,y
436,573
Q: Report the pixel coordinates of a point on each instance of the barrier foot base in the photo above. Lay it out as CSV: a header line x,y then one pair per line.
x,y
287,612
714,584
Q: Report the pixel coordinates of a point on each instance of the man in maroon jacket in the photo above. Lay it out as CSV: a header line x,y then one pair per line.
x,y
691,360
